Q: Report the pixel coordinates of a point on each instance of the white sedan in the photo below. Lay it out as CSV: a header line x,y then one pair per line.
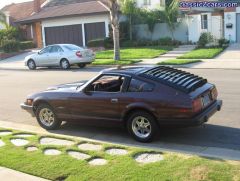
x,y
63,55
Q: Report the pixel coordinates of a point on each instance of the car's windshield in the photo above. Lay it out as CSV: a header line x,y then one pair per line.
x,y
72,47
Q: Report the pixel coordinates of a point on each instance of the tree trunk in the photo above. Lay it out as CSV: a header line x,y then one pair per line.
x,y
130,27
116,43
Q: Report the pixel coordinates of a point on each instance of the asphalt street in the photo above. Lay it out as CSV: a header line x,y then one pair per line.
x,y
222,130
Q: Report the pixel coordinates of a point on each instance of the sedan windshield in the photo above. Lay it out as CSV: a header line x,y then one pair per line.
x,y
72,47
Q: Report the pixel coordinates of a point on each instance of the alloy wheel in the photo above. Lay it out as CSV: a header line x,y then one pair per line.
x,y
141,127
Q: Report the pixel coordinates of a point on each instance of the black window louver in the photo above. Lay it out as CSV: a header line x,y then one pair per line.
x,y
175,78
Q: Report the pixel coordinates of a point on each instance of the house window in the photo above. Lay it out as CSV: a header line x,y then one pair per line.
x,y
146,2
204,21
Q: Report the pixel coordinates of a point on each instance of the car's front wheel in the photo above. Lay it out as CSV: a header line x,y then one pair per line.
x,y
65,64
31,64
47,118
142,126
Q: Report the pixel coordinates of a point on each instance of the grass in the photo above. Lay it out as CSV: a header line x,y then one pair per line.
x,y
173,167
202,53
178,62
113,62
135,53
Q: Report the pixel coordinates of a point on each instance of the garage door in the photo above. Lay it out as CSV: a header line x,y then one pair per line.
x,y
94,31
238,28
64,34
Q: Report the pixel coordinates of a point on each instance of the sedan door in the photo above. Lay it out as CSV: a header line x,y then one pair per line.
x,y
43,57
55,55
96,105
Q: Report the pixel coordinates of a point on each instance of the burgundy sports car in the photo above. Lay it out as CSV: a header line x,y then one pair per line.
x,y
138,98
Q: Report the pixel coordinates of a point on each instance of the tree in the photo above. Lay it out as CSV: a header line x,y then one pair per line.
x,y
3,19
171,14
114,8
129,8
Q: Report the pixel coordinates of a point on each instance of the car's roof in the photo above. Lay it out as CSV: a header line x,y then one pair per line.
x,y
129,70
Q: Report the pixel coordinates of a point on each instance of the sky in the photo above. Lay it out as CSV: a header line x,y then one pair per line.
x,y
6,2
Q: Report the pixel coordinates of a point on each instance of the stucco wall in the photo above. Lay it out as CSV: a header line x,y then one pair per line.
x,y
161,30
74,21
153,4
230,33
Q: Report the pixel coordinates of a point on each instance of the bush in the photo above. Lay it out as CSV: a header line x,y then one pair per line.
x,y
26,45
96,43
9,46
223,42
205,39
108,43
165,41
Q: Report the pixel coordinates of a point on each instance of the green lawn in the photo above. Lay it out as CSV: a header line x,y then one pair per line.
x,y
202,53
113,62
135,53
174,166
178,62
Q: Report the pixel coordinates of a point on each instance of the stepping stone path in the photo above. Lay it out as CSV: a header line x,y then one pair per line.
x,y
149,157
32,148
52,152
19,142
90,147
1,143
5,133
78,155
24,135
55,141
98,161
116,151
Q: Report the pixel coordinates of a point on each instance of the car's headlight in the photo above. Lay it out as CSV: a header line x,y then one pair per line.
x,y
29,102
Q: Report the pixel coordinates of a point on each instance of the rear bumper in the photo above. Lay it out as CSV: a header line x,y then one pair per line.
x,y
27,108
198,119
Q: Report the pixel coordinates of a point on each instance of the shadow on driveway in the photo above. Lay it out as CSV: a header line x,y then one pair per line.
x,y
204,136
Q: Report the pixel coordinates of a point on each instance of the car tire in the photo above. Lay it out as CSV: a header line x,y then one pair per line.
x,y
64,64
31,64
142,126
81,65
47,118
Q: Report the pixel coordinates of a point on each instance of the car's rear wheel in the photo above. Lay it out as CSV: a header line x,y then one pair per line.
x,y
81,65
65,64
142,126
47,118
31,64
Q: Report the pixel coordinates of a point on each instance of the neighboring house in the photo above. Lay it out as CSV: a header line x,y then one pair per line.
x,y
151,4
15,12
220,22
68,21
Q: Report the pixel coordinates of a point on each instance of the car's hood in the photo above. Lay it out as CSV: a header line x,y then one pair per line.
x,y
67,87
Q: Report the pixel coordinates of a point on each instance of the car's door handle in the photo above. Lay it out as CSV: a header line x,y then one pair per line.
x,y
114,100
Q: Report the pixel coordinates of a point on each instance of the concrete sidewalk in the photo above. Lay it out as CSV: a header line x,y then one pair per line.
x,y
203,151
12,175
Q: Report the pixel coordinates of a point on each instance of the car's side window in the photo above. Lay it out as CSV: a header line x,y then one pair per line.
x,y
56,49
107,83
140,86
45,50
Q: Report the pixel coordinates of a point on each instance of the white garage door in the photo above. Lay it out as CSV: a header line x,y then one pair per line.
x,y
238,28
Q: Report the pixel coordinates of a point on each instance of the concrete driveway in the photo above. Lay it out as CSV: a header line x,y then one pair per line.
x,y
16,62
222,131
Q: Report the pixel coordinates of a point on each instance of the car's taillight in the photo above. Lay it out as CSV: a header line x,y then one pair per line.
x,y
214,93
79,54
197,105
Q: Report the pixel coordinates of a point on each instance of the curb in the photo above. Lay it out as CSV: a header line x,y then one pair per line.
x,y
209,152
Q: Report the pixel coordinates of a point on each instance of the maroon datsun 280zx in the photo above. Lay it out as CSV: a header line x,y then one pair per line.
x,y
139,98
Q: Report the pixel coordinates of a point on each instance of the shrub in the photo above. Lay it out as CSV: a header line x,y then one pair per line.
x,y
165,41
223,42
10,46
108,43
96,43
26,45
204,39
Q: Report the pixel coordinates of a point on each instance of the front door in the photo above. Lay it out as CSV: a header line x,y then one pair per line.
x,y
99,103
43,57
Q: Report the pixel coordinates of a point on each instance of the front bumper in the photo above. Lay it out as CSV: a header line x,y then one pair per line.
x,y
199,119
27,108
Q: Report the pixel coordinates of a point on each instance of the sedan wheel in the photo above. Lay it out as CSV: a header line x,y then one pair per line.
x,y
47,118
31,65
142,126
64,64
